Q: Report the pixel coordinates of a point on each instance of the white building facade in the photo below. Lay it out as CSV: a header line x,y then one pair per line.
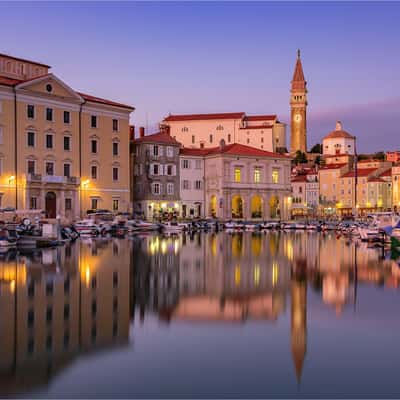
x,y
192,183
338,142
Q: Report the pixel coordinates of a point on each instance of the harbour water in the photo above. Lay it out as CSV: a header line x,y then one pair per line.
x,y
205,315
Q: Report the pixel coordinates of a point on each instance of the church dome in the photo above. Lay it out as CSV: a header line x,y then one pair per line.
x,y
339,133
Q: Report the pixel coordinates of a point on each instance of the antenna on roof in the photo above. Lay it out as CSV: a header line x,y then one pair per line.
x,y
147,121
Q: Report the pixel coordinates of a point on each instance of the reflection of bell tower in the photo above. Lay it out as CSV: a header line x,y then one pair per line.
x,y
298,105
299,324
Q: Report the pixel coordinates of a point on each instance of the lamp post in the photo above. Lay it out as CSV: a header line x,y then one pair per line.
x,y
355,180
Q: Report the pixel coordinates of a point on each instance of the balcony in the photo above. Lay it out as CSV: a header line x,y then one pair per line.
x,y
34,178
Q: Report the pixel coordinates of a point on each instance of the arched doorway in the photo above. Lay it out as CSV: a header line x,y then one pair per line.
x,y
51,205
237,207
213,206
256,207
274,207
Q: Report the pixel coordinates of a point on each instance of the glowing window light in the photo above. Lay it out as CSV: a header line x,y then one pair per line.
x,y
237,276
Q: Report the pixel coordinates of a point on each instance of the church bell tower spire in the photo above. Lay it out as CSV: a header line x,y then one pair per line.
x,y
298,105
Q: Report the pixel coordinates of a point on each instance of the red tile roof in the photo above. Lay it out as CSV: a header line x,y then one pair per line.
x,y
361,172
338,134
378,180
187,151
388,172
160,137
9,81
257,127
24,60
368,161
99,100
193,117
260,117
240,150
13,82
299,178
333,166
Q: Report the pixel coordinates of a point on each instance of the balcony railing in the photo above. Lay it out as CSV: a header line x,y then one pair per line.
x,y
34,178
69,180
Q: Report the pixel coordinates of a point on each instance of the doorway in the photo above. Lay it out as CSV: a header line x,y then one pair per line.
x,y
51,205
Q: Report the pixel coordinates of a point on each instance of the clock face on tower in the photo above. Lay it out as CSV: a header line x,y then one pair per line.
x,y
297,117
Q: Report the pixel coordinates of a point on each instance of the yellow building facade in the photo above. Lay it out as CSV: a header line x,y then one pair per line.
x,y
61,151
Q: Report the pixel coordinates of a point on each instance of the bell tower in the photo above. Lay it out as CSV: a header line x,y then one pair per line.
x,y
298,105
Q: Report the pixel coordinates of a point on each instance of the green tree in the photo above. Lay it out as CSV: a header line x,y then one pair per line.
x,y
300,158
317,148
380,155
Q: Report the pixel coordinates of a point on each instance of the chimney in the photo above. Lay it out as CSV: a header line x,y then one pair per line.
x,y
132,132
141,131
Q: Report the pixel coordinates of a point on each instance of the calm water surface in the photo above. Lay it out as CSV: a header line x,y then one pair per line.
x,y
207,315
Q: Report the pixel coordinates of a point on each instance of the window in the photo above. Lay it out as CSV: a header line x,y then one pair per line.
x,y
31,139
67,143
66,312
170,170
33,203
115,173
262,140
248,140
115,204
185,184
193,139
156,169
198,185
115,148
156,188
257,175
31,166
49,168
67,117
115,125
93,121
275,176
49,114
67,170
229,137
94,204
170,188
30,111
185,164
155,151
170,151
93,146
93,171
49,141
237,175
68,204
211,138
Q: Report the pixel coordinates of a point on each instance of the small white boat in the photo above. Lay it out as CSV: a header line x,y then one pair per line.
x,y
7,241
234,225
300,225
141,226
87,227
172,227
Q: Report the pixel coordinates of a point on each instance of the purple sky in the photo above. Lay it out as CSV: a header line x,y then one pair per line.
x,y
219,57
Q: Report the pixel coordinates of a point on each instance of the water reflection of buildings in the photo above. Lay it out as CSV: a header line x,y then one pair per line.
x,y
244,276
56,304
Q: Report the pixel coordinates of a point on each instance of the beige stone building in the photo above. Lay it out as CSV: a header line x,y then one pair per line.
x,y
61,151
264,132
245,182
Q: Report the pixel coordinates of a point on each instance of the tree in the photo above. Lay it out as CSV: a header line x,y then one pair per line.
x,y
317,148
300,158
380,155
318,160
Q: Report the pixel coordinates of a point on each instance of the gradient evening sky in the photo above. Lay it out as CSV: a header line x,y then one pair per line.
x,y
191,57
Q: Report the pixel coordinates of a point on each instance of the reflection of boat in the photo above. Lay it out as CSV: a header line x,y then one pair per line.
x,y
370,234
234,225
